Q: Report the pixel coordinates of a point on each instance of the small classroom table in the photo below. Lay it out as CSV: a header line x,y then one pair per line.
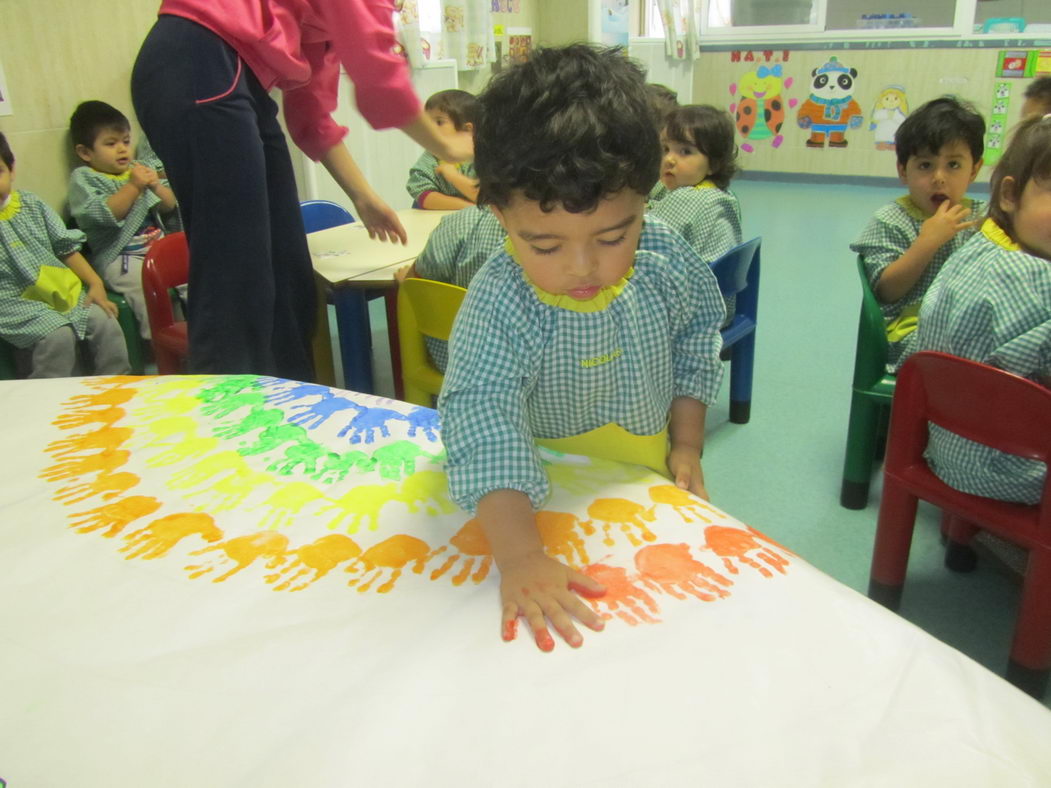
x,y
349,262
246,581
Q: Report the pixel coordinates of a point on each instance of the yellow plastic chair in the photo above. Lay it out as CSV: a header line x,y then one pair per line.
x,y
425,308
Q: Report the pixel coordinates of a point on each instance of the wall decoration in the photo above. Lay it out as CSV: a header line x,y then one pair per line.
x,y
1040,63
5,95
1012,63
888,114
994,130
830,109
507,6
519,44
759,111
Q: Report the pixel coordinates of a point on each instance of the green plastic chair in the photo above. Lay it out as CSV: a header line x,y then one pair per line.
x,y
129,326
872,392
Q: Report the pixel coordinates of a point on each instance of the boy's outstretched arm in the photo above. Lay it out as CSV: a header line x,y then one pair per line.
x,y
899,277
464,184
532,584
686,430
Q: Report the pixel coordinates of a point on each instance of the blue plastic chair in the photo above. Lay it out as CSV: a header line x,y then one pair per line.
x,y
737,272
322,214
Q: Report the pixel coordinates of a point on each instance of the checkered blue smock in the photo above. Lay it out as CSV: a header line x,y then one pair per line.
x,y
888,235
457,248
423,179
107,236
521,369
991,303
33,240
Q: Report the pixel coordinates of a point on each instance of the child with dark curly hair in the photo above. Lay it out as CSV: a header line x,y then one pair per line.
x,y
594,320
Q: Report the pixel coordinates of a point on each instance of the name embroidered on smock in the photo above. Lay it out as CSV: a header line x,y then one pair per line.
x,y
605,358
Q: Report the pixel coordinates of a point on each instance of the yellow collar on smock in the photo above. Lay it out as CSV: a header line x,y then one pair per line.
x,y
996,234
14,205
602,299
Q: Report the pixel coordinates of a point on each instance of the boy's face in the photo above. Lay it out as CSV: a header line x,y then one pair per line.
x,y
575,254
445,124
6,176
1030,214
934,178
111,152
682,163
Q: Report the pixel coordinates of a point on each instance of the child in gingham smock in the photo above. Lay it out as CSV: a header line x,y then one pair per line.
x,y
440,185
51,300
457,248
906,243
992,303
593,315
112,198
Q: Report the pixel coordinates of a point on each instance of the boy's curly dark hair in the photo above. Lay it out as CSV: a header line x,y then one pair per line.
x,y
6,155
568,127
711,130
1026,158
459,105
936,123
91,118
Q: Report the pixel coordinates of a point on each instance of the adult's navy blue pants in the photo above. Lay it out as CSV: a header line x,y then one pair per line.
x,y
252,298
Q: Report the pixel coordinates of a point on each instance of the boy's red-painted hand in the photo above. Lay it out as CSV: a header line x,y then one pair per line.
x,y
541,589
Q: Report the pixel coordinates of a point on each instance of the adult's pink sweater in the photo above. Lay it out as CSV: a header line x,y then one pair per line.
x,y
298,46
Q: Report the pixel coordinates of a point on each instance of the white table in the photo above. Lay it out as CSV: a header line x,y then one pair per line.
x,y
350,262
238,581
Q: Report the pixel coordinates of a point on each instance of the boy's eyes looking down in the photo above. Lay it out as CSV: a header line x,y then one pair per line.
x,y
601,241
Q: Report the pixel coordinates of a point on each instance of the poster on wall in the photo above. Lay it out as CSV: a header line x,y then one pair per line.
x,y
5,96
830,110
519,44
888,113
994,132
615,23
507,6
758,100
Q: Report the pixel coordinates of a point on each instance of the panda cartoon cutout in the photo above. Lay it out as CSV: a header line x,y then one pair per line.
x,y
830,109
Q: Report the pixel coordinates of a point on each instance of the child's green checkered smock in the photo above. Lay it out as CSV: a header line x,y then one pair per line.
x,y
992,304
888,235
423,179
107,236
520,368
33,240
457,248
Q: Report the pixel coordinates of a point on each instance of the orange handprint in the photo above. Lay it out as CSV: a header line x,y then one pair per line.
x,y
115,515
110,396
108,485
733,543
670,568
105,439
160,536
243,551
474,550
319,557
558,531
623,598
389,555
624,513
81,418
103,461
683,501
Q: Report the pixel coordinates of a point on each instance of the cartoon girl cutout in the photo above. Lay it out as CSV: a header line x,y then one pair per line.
x,y
888,114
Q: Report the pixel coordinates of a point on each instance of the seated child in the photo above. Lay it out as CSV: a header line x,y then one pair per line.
x,y
457,248
939,149
50,298
112,199
439,185
1037,98
594,315
662,101
698,163
992,303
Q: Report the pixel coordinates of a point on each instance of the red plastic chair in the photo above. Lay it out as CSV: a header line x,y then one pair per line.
x,y
167,265
995,408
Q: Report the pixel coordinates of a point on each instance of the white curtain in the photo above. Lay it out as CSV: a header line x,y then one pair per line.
x,y
682,24
461,30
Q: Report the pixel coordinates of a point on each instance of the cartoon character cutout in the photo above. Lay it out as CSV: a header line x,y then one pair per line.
x,y
453,19
887,115
830,109
760,111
